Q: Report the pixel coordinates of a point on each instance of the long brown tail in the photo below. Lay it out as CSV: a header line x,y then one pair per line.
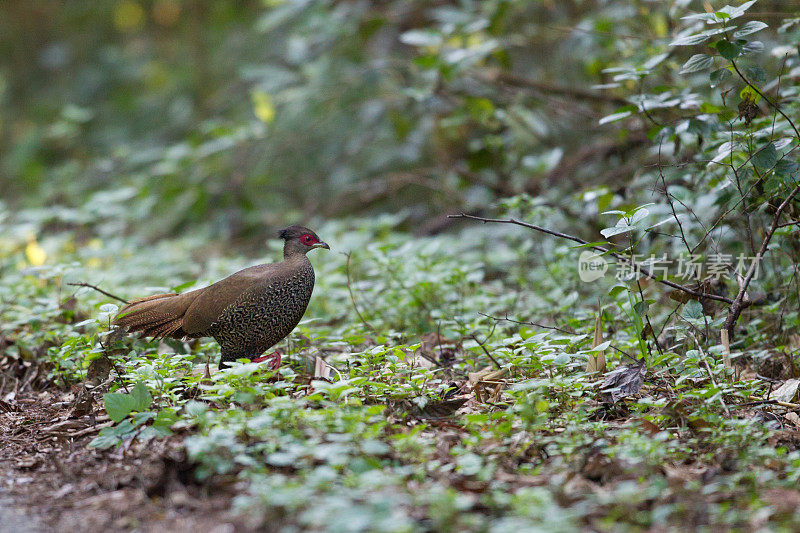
x,y
160,315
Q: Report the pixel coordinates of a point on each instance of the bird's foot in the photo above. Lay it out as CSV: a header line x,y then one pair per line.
x,y
273,360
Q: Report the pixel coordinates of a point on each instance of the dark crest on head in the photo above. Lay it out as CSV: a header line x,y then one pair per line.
x,y
295,232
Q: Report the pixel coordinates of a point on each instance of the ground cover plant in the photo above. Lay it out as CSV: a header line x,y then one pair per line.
x,y
435,415
564,352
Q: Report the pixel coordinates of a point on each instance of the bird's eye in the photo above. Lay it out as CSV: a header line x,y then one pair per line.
x,y
307,239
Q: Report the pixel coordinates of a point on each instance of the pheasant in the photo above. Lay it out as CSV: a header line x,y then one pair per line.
x,y
246,313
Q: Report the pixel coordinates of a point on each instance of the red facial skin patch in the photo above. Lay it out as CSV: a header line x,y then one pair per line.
x,y
308,239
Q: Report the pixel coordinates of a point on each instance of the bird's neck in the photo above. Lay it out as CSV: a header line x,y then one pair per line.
x,y
293,254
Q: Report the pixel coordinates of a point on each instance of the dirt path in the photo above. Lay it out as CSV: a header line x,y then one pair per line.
x,y
55,482
15,520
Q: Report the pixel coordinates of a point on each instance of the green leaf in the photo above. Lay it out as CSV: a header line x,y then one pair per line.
x,y
756,74
105,439
692,310
786,168
118,405
165,418
616,230
654,131
421,38
697,63
109,308
697,38
641,308
755,47
616,289
123,429
736,11
427,61
183,286
727,49
707,17
689,40
750,27
766,157
150,432
748,93
654,61
481,109
614,117
589,245
113,436
141,397
772,184
640,214
194,408
665,221
711,109
719,76
263,106
142,418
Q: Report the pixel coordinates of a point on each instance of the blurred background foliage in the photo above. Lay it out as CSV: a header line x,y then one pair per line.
x,y
214,117
226,120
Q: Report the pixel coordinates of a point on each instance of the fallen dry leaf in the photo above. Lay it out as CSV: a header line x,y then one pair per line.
x,y
28,463
625,380
64,427
486,374
651,428
435,409
82,404
322,369
679,296
98,371
786,392
487,383
793,418
7,407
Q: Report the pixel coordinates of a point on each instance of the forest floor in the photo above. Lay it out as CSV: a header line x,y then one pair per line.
x,y
56,482
65,485
469,424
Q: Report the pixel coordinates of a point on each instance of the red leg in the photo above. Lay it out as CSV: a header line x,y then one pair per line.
x,y
274,360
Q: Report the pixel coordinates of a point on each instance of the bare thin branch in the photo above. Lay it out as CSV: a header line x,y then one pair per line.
x,y
606,251
98,289
740,303
772,104
353,297
489,355
507,319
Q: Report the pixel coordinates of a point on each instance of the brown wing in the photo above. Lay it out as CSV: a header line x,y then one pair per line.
x,y
160,315
212,300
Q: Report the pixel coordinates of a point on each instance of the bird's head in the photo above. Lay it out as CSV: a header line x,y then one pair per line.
x,y
300,240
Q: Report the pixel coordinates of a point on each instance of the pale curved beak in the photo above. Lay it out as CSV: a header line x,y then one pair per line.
x,y
321,245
